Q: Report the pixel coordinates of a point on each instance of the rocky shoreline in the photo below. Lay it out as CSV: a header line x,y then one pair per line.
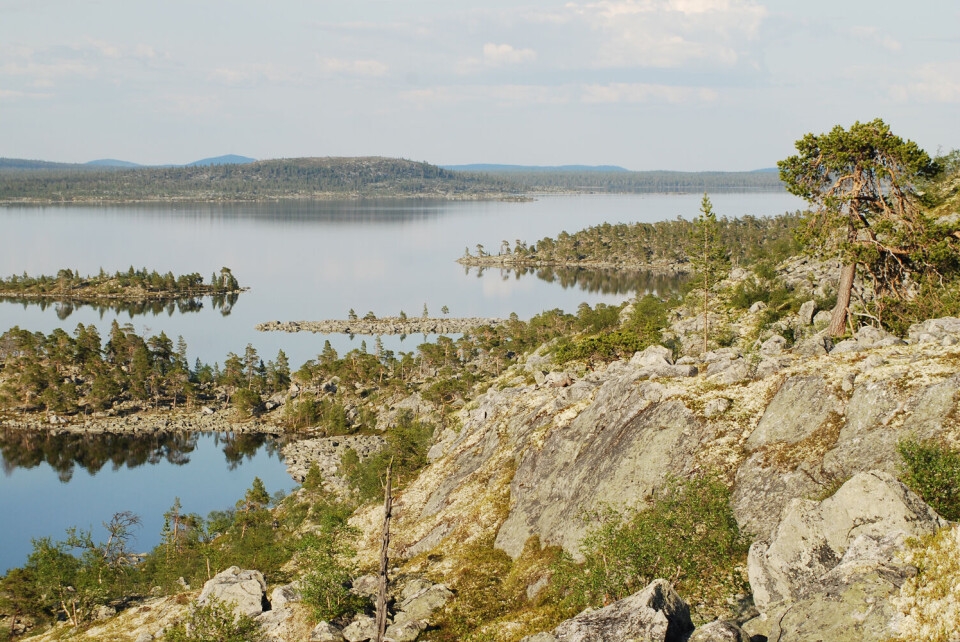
x,y
384,326
143,422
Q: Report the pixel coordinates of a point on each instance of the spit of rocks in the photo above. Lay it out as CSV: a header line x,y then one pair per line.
x,y
384,326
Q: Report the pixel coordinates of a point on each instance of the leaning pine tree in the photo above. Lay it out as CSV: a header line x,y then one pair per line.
x,y
866,212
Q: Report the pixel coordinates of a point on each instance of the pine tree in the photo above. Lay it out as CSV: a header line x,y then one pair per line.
x,y
708,257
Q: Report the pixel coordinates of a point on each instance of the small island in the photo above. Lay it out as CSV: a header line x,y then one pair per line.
x,y
132,285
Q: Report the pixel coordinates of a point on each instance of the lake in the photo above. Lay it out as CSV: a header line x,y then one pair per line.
x,y
301,261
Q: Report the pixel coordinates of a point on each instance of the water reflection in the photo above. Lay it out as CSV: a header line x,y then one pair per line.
x,y
63,452
63,308
595,280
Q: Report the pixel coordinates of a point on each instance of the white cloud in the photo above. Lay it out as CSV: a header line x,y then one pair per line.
x,y
494,54
670,33
931,83
645,93
370,68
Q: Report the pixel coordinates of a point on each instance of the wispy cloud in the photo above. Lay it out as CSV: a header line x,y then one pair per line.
x,y
876,37
931,83
670,33
496,95
253,74
12,94
370,68
503,54
645,93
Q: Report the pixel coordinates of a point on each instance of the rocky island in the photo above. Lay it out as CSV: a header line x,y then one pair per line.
x,y
130,286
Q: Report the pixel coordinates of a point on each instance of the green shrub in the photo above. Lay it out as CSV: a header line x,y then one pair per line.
x,y
246,401
301,413
932,470
214,622
327,553
687,534
406,447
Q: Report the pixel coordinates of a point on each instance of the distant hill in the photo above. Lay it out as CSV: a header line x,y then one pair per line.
x,y
229,159
111,162
296,178
489,167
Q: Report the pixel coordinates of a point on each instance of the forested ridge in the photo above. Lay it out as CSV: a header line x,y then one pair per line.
x,y
300,178
626,182
323,178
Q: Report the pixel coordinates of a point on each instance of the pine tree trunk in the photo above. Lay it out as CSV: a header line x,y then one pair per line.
x,y
838,321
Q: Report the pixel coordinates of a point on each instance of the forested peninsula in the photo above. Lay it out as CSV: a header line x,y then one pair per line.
x,y
327,178
664,246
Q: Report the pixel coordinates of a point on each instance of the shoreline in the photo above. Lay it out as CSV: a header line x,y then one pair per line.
x,y
140,422
510,261
384,326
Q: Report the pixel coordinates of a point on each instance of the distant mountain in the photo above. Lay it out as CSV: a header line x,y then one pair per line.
x,y
23,163
111,162
229,159
766,170
490,167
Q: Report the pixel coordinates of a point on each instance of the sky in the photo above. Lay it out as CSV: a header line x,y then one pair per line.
x,y
645,84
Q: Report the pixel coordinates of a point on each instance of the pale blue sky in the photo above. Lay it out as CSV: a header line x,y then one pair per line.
x,y
646,84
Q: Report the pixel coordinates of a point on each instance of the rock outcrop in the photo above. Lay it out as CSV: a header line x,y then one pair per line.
x,y
831,567
655,614
245,590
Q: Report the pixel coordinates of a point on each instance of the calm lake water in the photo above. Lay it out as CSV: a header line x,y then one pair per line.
x,y
301,261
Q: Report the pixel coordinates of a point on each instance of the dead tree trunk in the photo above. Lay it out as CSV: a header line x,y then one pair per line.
x,y
384,558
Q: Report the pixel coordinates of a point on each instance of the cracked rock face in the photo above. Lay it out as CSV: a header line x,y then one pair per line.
x,y
617,451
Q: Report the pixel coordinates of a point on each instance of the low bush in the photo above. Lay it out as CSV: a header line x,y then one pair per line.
x,y
687,534
214,622
932,470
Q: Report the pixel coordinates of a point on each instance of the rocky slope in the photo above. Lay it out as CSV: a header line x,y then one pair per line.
x,y
543,447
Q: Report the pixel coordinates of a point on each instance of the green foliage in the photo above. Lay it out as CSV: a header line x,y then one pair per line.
x,y
406,450
247,402
313,480
932,470
868,213
744,240
687,534
214,621
326,553
613,340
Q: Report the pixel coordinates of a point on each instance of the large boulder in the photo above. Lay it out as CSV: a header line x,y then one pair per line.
x,y
655,614
245,590
830,567
813,537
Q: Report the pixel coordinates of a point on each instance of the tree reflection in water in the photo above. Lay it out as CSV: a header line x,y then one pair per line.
x,y
593,280
154,307
92,451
